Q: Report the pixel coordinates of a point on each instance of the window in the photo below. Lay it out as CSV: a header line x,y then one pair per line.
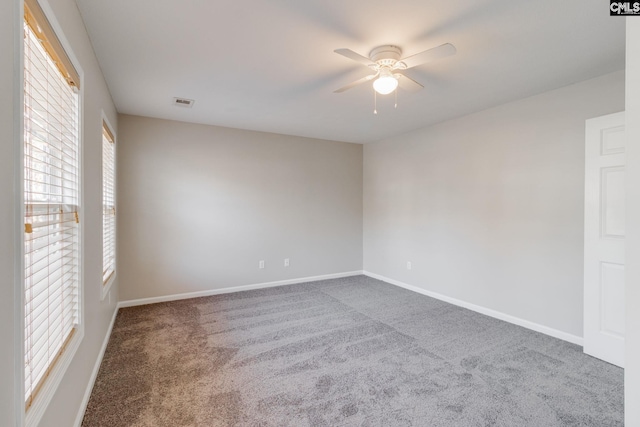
x,y
108,204
51,200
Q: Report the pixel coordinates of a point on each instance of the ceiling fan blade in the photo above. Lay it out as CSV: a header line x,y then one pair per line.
x,y
356,83
407,83
348,53
441,51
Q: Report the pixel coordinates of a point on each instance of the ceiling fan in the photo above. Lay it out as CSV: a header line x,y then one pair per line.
x,y
385,61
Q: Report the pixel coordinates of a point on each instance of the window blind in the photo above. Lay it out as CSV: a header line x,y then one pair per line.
x,y
36,19
51,198
108,204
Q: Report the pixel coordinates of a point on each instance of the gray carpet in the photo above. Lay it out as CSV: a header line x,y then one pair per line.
x,y
344,352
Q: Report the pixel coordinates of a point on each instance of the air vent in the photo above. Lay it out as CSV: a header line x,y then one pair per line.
x,y
183,102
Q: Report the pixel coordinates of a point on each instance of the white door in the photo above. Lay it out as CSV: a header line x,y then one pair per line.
x,y
604,229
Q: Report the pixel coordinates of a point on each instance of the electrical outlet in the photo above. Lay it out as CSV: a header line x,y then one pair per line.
x,y
408,265
261,264
286,262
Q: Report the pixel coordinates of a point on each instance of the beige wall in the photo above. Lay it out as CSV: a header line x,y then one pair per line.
x,y
7,207
632,366
201,205
64,407
489,207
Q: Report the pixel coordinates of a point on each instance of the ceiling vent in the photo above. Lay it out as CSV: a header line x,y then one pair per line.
x,y
183,102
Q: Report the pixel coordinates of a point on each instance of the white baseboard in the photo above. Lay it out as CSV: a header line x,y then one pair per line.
x,y
187,295
483,310
94,374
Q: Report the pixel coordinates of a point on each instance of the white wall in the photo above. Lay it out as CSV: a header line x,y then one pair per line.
x,y
632,366
201,205
7,207
489,207
64,407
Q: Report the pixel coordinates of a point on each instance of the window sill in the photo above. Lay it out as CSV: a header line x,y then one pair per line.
x,y
106,287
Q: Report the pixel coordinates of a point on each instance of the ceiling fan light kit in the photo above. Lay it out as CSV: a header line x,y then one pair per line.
x,y
385,83
387,64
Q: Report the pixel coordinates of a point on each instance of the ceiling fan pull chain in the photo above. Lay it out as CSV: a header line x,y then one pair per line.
x,y
396,104
375,102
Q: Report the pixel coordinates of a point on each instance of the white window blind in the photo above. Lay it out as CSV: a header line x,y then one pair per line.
x,y
51,198
108,204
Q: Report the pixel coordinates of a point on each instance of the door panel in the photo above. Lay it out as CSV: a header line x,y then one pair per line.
x,y
612,292
613,202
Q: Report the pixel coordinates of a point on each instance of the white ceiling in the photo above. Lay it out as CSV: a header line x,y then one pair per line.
x,y
269,65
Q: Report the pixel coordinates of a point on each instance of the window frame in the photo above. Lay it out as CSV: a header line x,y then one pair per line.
x,y
106,124
32,415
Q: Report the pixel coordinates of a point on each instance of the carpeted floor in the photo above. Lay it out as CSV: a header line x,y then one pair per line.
x,y
344,352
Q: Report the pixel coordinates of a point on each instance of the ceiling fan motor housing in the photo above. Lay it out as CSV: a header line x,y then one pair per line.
x,y
386,56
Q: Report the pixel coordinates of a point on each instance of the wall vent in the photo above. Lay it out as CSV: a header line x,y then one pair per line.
x,y
183,102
